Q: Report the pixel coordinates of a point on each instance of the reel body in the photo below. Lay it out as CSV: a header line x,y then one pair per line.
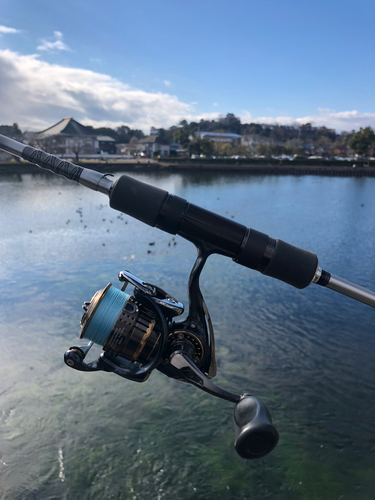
x,y
139,332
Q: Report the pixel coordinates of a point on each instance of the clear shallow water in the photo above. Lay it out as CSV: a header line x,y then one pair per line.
x,y
309,355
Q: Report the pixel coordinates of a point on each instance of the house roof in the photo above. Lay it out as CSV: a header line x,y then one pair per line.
x,y
220,134
151,139
67,126
105,138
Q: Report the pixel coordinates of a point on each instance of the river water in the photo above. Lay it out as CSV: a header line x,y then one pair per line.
x,y
309,355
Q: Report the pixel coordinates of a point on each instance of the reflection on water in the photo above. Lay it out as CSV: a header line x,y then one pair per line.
x,y
308,354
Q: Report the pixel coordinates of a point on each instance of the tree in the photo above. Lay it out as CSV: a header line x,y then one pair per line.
x,y
201,147
167,135
262,150
273,149
323,145
77,147
363,142
182,135
224,149
292,148
105,131
230,124
278,134
242,150
125,134
12,131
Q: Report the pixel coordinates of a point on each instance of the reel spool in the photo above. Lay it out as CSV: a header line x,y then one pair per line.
x,y
131,329
122,324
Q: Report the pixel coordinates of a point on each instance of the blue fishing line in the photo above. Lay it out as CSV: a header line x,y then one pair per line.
x,y
104,318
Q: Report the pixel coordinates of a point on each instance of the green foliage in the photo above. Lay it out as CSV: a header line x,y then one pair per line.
x,y
201,147
363,142
166,134
125,134
224,149
182,135
276,150
262,150
122,134
105,131
12,131
252,129
323,146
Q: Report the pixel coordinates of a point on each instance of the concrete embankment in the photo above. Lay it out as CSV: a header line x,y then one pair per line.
x,y
359,169
280,169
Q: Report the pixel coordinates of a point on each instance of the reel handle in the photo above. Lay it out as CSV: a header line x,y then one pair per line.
x,y
256,436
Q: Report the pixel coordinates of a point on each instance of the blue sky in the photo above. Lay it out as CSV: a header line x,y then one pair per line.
x,y
153,63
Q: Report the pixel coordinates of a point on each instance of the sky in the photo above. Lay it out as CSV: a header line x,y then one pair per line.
x,y
154,63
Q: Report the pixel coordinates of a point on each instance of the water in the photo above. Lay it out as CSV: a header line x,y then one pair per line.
x,y
309,355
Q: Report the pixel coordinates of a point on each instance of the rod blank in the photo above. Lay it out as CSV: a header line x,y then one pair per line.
x,y
11,146
351,290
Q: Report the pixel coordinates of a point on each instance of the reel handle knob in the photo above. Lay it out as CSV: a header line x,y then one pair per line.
x,y
256,436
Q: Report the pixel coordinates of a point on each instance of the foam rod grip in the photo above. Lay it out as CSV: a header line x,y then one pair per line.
x,y
292,265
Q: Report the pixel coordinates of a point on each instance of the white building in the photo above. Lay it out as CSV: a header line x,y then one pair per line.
x,y
253,140
233,139
153,145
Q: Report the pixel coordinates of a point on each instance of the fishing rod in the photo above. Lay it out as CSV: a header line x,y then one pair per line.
x,y
140,332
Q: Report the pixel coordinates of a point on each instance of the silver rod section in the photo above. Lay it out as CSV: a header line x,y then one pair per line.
x,y
11,146
96,181
351,290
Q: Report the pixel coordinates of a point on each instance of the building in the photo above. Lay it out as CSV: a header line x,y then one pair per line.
x,y
70,138
178,150
251,141
106,144
220,137
153,145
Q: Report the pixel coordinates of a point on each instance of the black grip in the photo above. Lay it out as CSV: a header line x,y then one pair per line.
x,y
137,199
277,259
247,247
292,265
52,163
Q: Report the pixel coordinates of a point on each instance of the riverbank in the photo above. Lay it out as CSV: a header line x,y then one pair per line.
x,y
251,166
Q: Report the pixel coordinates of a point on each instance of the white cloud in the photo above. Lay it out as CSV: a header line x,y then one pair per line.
x,y
54,43
36,94
338,120
167,83
6,30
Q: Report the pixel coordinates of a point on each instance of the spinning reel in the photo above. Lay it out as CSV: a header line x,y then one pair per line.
x,y
139,333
